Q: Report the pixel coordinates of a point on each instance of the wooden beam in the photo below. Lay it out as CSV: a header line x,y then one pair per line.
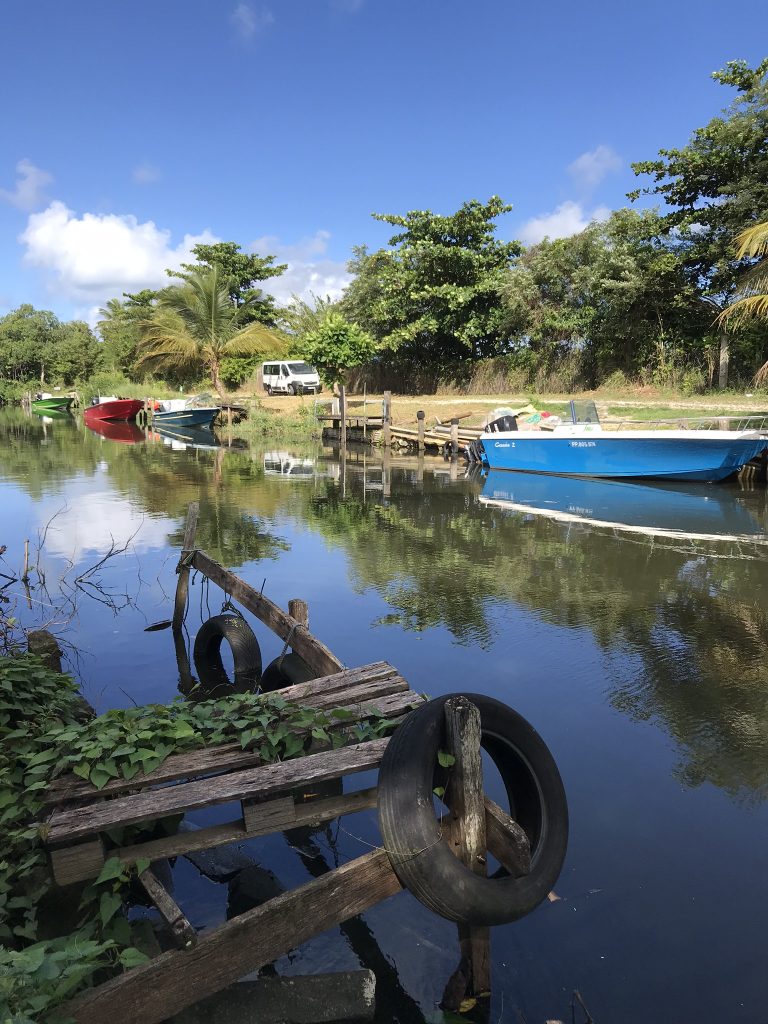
x,y
76,863
312,650
182,586
152,992
467,824
70,824
184,935
507,841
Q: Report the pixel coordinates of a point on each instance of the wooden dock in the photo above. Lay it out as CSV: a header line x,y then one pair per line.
x,y
272,797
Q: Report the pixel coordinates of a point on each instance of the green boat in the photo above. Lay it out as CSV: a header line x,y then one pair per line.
x,y
45,403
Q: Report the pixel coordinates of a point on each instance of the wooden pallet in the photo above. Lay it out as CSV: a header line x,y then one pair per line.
x,y
80,814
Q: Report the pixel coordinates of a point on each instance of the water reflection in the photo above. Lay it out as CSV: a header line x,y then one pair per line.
x,y
675,510
117,430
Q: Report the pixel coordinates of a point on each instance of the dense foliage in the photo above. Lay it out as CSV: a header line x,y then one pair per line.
x,y
335,346
44,731
635,298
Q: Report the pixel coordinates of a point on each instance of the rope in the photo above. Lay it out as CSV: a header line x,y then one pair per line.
x,y
287,644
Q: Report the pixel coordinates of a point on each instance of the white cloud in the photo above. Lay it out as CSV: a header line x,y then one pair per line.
x,y
249,21
589,169
310,271
94,257
567,219
146,174
30,185
111,520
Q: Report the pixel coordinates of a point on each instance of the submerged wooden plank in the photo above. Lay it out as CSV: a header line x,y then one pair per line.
x,y
150,993
310,814
184,935
312,650
70,824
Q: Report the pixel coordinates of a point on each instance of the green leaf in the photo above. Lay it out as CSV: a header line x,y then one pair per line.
x,y
445,759
113,868
132,957
109,905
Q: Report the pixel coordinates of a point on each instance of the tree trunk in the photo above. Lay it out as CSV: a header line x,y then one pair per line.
x,y
722,379
214,367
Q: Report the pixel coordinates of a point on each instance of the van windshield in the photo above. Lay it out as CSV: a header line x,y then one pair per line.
x,y
301,368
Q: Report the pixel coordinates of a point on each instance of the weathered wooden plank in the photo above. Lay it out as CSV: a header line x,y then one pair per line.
x,y
269,815
310,814
74,863
70,824
184,935
228,756
507,841
312,650
150,993
467,826
182,586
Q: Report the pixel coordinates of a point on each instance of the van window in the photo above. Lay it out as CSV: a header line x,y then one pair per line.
x,y
301,368
283,370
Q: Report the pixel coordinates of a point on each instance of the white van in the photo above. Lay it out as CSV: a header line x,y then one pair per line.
x,y
290,377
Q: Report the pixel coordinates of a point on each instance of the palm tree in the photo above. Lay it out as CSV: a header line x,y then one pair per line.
x,y
198,323
752,301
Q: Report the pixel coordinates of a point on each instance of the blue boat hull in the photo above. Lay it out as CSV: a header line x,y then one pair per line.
x,y
603,455
186,418
646,507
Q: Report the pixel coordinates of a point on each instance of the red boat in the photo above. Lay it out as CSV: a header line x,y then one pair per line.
x,y
112,409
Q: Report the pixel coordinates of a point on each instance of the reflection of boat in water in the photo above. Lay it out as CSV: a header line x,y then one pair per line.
x,y
49,415
288,466
186,437
674,510
117,430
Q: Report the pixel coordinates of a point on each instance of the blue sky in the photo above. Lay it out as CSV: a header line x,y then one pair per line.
x,y
129,131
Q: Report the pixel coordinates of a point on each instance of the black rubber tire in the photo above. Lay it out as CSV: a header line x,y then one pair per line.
x,y
291,389
269,389
292,670
424,862
245,651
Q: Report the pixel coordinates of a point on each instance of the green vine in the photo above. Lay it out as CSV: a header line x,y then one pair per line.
x,y
42,736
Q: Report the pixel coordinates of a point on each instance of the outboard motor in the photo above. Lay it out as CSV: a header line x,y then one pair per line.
x,y
502,423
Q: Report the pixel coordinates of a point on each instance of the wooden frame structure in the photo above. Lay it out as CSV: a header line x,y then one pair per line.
x,y
273,797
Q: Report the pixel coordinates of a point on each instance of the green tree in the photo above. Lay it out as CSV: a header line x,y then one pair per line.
x,y
242,270
28,339
77,354
716,186
300,316
752,297
432,297
336,346
196,325
120,329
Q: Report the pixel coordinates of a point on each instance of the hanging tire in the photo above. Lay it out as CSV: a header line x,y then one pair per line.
x,y
424,862
286,671
245,651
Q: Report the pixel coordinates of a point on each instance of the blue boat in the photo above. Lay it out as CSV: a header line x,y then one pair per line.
x,y
186,412
674,510
584,448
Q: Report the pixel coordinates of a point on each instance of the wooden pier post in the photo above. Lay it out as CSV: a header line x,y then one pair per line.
x,y
420,417
465,796
299,610
386,419
182,587
343,415
455,437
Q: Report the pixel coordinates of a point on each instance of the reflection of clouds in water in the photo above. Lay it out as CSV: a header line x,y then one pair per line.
x,y
93,521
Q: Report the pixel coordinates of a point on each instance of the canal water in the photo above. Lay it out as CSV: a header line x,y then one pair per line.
x,y
628,623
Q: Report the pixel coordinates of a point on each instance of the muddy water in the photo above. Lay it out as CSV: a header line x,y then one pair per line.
x,y
628,625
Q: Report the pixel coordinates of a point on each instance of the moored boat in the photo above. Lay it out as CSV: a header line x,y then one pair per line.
x,y
46,402
198,411
583,448
112,409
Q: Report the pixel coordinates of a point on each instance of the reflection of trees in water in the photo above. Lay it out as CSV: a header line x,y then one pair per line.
x,y
39,456
698,624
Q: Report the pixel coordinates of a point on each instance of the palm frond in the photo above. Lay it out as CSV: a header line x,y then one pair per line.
x,y
749,308
256,339
753,241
